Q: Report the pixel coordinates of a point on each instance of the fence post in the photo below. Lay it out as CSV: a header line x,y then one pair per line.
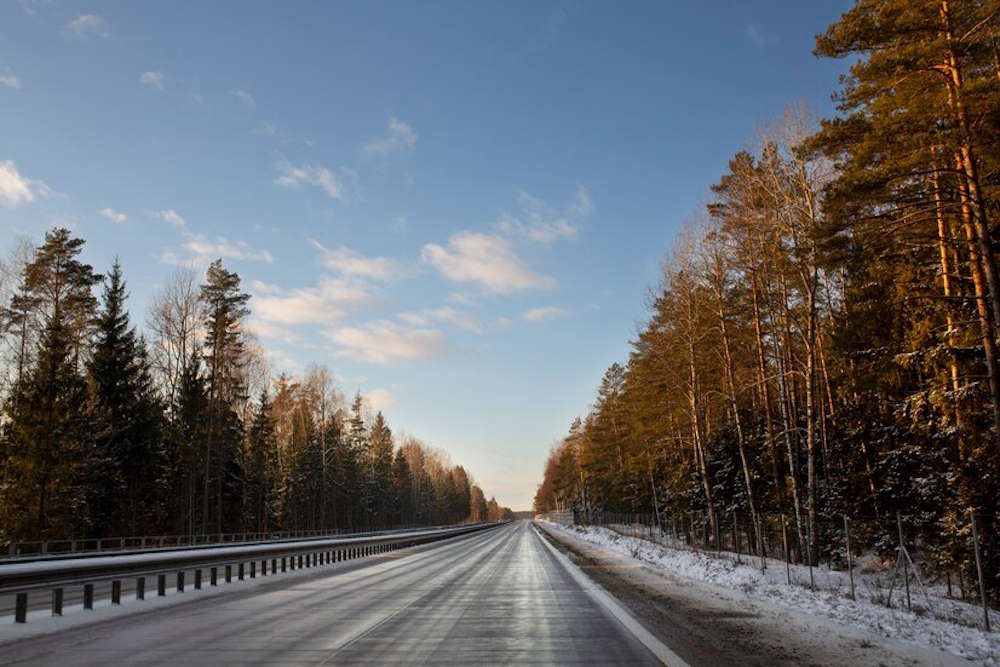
x,y
736,538
760,541
850,564
784,546
902,556
88,596
979,573
57,601
140,588
21,608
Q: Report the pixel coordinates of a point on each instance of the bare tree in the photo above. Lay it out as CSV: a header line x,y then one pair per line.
x,y
175,325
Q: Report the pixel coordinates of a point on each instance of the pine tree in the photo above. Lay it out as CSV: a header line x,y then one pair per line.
x,y
45,444
260,474
225,310
126,417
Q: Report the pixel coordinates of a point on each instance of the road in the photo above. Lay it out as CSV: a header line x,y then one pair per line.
x,y
494,597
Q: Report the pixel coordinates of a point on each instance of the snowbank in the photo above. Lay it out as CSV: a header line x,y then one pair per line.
x,y
948,625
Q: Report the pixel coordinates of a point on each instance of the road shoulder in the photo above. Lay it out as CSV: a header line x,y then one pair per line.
x,y
706,624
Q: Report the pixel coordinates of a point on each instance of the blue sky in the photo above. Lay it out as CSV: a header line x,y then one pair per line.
x,y
458,207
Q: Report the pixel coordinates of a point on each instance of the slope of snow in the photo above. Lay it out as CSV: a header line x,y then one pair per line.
x,y
949,626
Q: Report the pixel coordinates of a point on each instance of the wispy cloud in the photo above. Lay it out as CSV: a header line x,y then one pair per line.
x,y
8,80
152,79
170,216
380,399
273,331
423,318
270,130
384,342
399,138
323,304
539,222
90,24
114,216
484,259
16,188
753,31
244,97
543,313
309,174
345,261
399,224
200,249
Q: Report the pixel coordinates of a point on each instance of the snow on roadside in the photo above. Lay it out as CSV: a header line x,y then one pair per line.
x,y
960,640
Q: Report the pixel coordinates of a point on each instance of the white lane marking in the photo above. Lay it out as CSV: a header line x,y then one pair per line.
x,y
605,599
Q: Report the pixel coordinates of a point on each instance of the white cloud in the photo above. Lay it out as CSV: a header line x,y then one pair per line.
x,y
244,97
17,189
170,216
384,342
8,80
539,222
346,262
423,318
323,304
90,24
114,216
484,259
201,249
380,399
400,138
152,79
582,203
399,224
272,331
309,174
270,130
754,33
543,313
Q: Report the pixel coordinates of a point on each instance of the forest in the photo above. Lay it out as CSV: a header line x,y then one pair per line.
x,y
177,428
822,345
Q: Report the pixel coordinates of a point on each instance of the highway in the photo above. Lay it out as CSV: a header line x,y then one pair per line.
x,y
495,597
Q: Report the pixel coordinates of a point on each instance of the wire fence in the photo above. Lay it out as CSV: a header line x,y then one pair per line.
x,y
769,542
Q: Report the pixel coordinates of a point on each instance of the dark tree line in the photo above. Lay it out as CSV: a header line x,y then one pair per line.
x,y
823,342
103,433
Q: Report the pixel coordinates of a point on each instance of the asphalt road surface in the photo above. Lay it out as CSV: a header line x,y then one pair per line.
x,y
490,598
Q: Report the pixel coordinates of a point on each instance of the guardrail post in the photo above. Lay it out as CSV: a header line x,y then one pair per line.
x,y
263,567
88,596
57,601
161,585
239,571
213,577
229,573
21,608
253,569
197,579
116,591
180,581
274,566
283,563
140,588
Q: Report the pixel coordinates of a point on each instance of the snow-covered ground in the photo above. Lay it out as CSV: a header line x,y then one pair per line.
x,y
949,625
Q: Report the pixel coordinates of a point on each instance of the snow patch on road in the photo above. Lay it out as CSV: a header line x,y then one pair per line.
x,y
949,631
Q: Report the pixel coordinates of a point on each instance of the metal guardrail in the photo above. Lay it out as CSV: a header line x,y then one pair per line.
x,y
56,574
74,546
137,545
